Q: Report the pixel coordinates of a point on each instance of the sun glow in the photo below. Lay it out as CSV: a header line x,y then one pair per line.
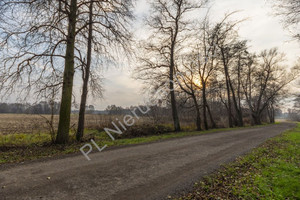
x,y
197,82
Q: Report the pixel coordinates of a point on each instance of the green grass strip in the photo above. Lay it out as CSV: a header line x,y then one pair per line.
x,y
271,171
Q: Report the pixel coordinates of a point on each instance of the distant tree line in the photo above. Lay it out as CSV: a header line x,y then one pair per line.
x,y
42,107
18,108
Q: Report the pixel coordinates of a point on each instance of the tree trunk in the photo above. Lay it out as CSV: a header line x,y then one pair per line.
x,y
86,72
240,118
271,114
173,101
213,123
236,123
238,109
229,105
256,118
172,91
228,89
204,105
198,117
66,100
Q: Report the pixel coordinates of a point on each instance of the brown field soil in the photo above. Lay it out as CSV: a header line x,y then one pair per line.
x,y
35,124
26,123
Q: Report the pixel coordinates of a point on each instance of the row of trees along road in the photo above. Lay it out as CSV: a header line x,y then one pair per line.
x,y
43,43
210,63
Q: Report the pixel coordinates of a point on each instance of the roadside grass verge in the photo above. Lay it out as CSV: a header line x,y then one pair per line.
x,y
16,148
271,171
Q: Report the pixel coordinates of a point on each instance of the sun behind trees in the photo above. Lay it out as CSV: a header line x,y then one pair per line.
x,y
169,28
214,71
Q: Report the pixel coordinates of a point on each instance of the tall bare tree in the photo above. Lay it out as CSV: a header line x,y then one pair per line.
x,y
168,23
187,77
265,79
207,65
225,38
67,88
50,42
85,76
105,33
43,31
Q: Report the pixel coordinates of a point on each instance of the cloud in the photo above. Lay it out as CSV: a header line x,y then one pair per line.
x,y
262,29
120,89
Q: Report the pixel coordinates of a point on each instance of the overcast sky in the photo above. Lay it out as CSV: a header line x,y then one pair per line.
x,y
262,30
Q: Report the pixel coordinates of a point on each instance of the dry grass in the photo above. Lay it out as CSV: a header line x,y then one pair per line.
x,y
32,124
25,123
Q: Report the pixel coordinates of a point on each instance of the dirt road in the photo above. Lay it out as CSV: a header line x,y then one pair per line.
x,y
150,171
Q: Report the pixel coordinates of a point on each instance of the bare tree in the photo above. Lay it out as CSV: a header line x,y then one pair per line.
x,y
207,65
53,46
32,44
85,76
106,31
169,27
225,37
290,11
67,88
48,30
264,81
231,56
187,77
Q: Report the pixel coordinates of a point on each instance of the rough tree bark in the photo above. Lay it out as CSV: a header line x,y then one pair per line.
x,y
204,101
198,114
213,123
230,121
66,100
86,75
172,68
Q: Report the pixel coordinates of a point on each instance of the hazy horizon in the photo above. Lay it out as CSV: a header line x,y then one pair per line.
x,y
122,90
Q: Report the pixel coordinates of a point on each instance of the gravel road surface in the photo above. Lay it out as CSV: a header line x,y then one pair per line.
x,y
149,171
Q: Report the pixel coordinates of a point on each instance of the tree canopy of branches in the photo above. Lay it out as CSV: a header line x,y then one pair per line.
x,y
220,68
290,11
42,40
265,78
105,33
169,25
34,34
